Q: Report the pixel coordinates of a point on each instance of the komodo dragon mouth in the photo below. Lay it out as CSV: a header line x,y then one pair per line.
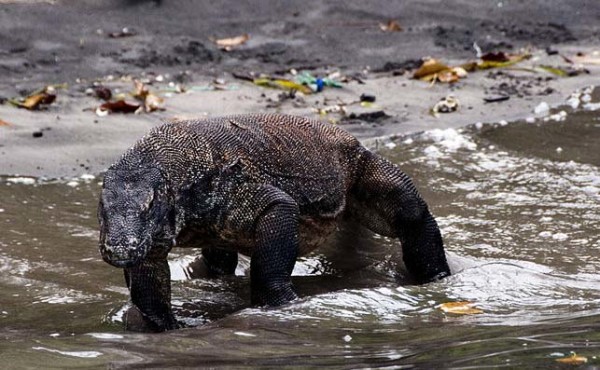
x,y
124,256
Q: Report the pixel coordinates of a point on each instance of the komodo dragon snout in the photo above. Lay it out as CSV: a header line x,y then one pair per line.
x,y
139,222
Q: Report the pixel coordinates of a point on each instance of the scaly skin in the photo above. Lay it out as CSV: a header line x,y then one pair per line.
x,y
269,186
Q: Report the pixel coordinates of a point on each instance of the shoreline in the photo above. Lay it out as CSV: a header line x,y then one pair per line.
x,y
71,140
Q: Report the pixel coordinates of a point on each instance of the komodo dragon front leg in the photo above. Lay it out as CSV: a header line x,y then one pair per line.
x,y
385,200
270,217
150,286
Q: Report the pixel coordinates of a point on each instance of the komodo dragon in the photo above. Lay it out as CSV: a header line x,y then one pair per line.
x,y
269,186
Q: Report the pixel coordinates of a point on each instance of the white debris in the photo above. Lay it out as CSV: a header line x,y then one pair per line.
x,y
530,119
478,125
408,141
559,149
542,108
73,184
503,123
390,145
586,98
347,338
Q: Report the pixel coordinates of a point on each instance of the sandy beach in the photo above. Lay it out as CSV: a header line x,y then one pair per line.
x,y
170,46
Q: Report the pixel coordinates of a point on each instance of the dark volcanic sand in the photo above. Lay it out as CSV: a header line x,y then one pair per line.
x,y
43,43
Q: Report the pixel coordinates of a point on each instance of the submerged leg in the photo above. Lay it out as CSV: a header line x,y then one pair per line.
x,y
220,261
275,250
150,286
386,201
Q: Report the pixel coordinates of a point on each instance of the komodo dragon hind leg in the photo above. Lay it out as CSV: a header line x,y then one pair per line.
x,y
220,261
150,287
386,201
276,248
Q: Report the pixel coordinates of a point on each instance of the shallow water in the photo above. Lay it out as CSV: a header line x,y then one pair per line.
x,y
520,219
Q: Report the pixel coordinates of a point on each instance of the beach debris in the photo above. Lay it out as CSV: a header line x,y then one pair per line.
x,y
151,101
574,359
336,108
229,43
125,32
496,98
500,59
283,84
372,116
433,70
4,123
39,99
367,98
317,83
101,92
447,104
37,134
390,26
118,106
429,68
460,308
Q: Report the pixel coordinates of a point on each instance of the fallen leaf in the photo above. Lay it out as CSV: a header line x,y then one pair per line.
x,y
140,90
460,308
390,26
153,102
119,106
429,68
4,123
103,92
231,42
495,57
573,360
37,99
499,60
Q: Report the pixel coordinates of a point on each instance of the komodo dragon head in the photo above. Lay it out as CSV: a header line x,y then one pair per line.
x,y
135,215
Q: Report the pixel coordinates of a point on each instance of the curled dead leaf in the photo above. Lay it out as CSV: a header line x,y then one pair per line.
x,y
140,90
429,68
390,26
153,102
574,359
37,100
231,42
119,106
460,308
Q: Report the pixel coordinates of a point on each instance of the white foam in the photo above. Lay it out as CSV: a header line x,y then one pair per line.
x,y
21,180
80,354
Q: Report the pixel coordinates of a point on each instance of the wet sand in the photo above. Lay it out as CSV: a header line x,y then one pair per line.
x,y
172,39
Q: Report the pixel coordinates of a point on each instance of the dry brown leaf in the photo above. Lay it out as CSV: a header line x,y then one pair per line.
x,y
429,68
460,308
153,102
35,101
119,106
140,90
573,360
231,42
390,26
